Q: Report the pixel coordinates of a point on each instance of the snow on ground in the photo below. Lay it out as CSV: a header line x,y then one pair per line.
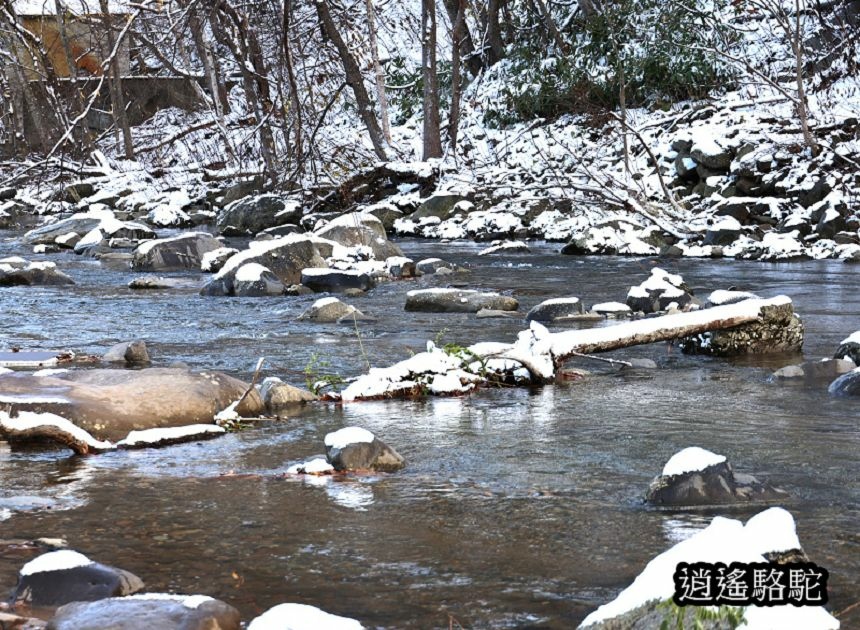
x,y
691,459
188,601
155,436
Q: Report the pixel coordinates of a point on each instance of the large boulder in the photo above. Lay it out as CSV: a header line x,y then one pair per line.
x,y
659,291
360,229
150,610
60,577
19,272
107,234
214,261
80,223
723,231
441,205
695,476
185,251
555,309
301,617
324,280
457,301
254,280
255,214
285,257
111,403
354,448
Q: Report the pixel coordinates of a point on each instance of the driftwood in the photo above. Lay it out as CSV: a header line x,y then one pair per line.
x,y
49,433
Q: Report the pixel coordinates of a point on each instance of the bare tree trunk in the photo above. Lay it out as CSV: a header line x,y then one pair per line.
x,y
210,68
467,45
294,86
494,48
353,78
380,75
457,33
802,104
116,97
432,139
551,26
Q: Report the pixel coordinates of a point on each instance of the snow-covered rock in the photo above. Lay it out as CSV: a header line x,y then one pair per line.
x,y
354,448
19,272
330,310
457,301
185,251
254,280
555,309
301,617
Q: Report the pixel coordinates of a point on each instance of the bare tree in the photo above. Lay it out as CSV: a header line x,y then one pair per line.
x,y
432,138
378,72
458,32
115,83
353,78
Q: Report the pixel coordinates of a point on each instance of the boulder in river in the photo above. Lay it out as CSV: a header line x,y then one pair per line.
x,y
148,610
109,404
254,280
329,310
285,257
279,396
19,272
258,213
60,577
132,352
185,251
555,308
325,280
360,229
354,448
658,292
505,247
301,617
80,223
695,476
457,301
213,261
434,265
814,371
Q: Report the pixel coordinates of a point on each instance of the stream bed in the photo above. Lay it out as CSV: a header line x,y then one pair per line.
x,y
518,508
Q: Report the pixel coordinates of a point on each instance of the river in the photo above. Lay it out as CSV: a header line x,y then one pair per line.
x,y
519,508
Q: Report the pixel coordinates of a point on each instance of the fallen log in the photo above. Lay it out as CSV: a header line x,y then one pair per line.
x,y
565,345
29,427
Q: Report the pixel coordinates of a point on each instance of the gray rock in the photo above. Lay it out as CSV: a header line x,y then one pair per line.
x,y
346,454
256,214
360,229
178,252
387,214
715,485
213,261
133,352
724,232
73,193
322,279
7,193
283,230
89,581
432,265
169,612
849,349
719,160
239,191
642,364
285,257
280,397
22,273
440,204
789,371
457,301
554,309
487,313
254,280
156,283
328,310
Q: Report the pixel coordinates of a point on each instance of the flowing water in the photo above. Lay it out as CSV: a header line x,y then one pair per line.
x,y
518,508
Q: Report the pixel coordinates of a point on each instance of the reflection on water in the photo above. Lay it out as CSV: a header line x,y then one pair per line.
x,y
518,507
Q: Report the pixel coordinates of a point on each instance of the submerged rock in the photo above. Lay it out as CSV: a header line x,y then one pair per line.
x,y
149,610
354,448
60,577
825,370
695,476
457,301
